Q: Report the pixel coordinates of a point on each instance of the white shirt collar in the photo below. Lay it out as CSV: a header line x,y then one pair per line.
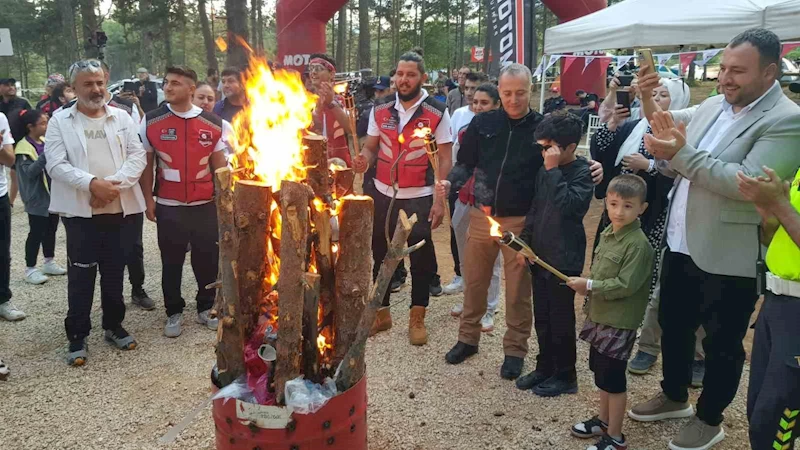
x,y
73,111
190,114
399,106
728,108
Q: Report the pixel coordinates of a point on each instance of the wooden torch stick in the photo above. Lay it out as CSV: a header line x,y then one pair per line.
x,y
350,106
519,246
433,156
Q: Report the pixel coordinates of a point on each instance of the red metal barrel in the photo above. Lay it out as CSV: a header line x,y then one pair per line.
x,y
339,425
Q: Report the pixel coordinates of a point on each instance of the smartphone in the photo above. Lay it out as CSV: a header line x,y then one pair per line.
x,y
625,80
129,86
624,99
645,58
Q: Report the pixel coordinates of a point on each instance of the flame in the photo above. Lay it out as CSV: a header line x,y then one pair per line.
x,y
421,133
341,88
268,133
335,248
221,44
495,231
401,139
322,344
319,205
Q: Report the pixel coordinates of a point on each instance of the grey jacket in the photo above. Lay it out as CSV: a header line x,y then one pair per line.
x,y
33,185
455,99
721,228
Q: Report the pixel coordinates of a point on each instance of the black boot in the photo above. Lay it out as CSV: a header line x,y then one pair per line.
x,y
460,352
139,297
512,367
532,379
556,386
436,286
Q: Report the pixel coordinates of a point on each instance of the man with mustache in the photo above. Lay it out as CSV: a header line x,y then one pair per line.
x,y
95,159
390,137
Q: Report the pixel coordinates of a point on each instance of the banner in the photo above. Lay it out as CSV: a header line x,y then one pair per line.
x,y
664,58
687,59
553,59
586,61
512,33
788,47
706,56
568,62
477,55
623,59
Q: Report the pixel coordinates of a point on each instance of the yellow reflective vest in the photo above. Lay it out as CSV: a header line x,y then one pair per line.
x,y
783,255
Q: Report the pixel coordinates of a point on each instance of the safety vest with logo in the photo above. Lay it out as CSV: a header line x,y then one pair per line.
x,y
413,169
783,255
337,139
183,148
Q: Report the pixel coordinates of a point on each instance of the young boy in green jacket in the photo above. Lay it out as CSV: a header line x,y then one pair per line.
x,y
618,290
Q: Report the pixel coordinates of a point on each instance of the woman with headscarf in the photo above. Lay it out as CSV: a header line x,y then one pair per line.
x,y
619,146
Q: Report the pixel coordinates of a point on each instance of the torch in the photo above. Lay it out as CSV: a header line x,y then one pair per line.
x,y
343,89
508,239
433,156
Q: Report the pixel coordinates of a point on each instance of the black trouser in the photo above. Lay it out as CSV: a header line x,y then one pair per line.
x,y
609,373
99,242
423,261
42,233
135,261
5,248
453,243
722,304
179,226
773,398
554,321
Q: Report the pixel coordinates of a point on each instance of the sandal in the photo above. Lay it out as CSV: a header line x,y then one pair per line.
x,y
78,354
4,372
120,339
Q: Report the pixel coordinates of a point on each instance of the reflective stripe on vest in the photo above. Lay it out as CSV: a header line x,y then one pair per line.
x,y
414,169
783,255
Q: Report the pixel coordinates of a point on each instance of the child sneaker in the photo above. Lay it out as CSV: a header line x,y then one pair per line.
x,y
589,428
606,442
36,277
52,268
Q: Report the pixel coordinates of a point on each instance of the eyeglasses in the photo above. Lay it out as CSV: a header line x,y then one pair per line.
x,y
80,65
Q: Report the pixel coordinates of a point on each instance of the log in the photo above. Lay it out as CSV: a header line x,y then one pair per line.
x,y
294,238
343,180
352,368
315,158
353,270
324,256
311,356
252,201
230,340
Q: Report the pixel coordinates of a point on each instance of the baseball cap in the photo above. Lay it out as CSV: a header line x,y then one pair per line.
x,y
141,70
383,83
7,81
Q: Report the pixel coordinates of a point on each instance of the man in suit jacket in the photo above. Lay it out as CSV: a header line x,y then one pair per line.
x,y
709,269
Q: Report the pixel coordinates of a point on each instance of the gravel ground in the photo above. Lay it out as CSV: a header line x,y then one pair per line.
x,y
128,400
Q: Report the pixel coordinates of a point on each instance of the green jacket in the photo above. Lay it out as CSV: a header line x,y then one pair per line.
x,y
621,274
33,187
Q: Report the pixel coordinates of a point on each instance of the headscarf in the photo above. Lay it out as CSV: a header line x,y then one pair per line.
x,y
54,79
679,96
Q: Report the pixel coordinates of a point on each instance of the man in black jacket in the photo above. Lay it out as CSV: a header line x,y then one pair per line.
x,y
499,148
146,90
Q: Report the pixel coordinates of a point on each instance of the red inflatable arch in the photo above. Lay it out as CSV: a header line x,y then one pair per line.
x,y
301,29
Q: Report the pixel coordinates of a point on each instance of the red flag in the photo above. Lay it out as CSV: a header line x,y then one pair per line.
x,y
568,62
788,48
686,60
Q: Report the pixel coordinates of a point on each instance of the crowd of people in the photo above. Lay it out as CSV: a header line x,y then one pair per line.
x,y
685,191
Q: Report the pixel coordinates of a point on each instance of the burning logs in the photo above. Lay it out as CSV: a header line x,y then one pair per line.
x,y
251,205
311,357
315,158
230,347
353,270
294,237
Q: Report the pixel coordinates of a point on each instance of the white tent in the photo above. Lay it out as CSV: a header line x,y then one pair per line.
x,y
646,23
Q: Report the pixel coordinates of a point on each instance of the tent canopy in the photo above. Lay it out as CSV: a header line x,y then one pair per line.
x,y
646,23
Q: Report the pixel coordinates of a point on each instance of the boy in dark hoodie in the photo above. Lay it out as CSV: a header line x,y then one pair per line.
x,y
554,230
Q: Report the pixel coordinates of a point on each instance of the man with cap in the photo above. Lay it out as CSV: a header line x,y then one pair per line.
x,y
47,104
11,105
146,90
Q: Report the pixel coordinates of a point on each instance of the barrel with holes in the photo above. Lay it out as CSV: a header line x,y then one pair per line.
x,y
339,425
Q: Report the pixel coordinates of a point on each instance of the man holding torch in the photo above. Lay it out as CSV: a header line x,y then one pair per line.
x,y
330,119
397,135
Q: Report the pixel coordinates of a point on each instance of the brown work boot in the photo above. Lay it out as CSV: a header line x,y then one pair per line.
x,y
659,408
697,435
417,334
383,321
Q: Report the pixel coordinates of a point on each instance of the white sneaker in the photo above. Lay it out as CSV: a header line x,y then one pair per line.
x,y
204,319
4,372
457,310
10,312
52,268
173,327
455,287
487,322
36,277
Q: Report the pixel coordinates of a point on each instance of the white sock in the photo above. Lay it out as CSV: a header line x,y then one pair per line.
x,y
29,271
48,260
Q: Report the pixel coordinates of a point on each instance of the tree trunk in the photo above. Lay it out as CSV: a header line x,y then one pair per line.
x,y
341,39
364,42
167,34
449,37
261,26
146,49
380,25
208,40
353,270
422,23
236,13
462,16
254,7
68,25
396,31
487,39
89,18
294,246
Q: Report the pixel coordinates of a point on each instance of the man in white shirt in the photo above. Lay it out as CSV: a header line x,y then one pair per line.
x,y
7,309
709,270
95,159
184,146
390,139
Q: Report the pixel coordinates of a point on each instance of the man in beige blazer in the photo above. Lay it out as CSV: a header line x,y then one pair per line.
x,y
709,269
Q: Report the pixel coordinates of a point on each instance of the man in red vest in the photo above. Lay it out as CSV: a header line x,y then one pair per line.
x,y
390,137
184,144
330,119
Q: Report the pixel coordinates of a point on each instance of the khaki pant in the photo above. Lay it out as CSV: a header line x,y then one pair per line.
x,y
481,253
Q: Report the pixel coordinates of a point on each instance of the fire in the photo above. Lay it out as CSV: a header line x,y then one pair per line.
x,y
268,133
495,231
221,44
335,248
340,88
421,133
322,344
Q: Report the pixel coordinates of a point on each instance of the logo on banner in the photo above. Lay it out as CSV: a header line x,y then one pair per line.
x,y
706,56
662,59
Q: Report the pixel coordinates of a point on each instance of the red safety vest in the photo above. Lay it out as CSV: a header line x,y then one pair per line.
x,y
414,169
337,139
184,145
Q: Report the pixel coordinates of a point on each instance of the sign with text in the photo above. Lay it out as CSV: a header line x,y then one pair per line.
x,y
512,28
